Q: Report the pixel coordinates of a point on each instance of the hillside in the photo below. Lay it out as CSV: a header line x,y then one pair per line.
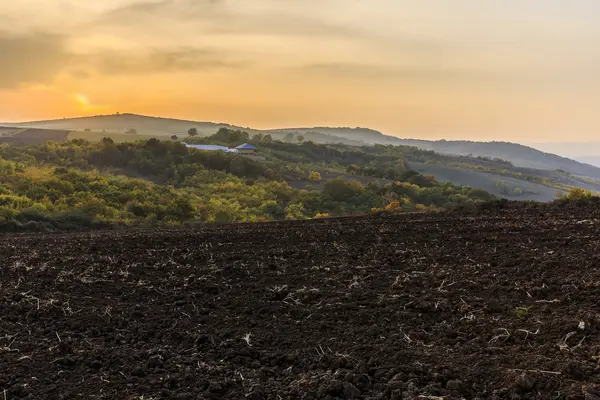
x,y
119,123
591,160
519,155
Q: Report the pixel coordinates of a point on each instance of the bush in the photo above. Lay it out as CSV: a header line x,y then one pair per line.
x,y
314,176
321,215
579,194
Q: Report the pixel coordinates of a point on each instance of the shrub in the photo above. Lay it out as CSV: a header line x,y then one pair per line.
x,y
314,176
578,194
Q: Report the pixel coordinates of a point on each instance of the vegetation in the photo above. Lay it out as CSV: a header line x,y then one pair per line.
x,y
153,182
314,176
579,194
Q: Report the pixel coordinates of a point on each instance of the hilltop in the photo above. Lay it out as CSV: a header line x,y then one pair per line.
x,y
119,123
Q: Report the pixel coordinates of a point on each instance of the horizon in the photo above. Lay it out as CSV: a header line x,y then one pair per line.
x,y
454,70
573,150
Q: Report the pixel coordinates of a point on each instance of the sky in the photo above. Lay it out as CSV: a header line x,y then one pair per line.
x,y
519,70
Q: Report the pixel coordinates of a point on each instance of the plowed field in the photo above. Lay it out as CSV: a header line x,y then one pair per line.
x,y
35,136
502,305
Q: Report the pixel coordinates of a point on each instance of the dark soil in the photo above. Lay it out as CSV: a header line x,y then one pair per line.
x,y
35,136
497,306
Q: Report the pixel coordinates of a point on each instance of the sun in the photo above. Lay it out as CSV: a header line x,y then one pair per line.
x,y
82,99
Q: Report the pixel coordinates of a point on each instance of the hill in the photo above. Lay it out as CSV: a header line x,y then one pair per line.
x,y
500,304
120,123
591,160
519,155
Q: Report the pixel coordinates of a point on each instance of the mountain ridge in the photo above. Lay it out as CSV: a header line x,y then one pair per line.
x,y
518,154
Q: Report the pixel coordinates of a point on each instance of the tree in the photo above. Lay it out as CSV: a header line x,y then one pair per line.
x,y
502,188
340,190
193,132
314,176
300,138
174,137
353,169
230,136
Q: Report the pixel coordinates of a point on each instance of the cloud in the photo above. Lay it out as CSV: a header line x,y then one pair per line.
x,y
227,17
161,60
31,58
388,72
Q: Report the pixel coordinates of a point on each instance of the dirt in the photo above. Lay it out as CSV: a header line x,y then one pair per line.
x,y
35,136
499,305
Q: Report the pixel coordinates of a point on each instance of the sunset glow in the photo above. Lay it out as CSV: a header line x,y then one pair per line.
x,y
511,70
82,99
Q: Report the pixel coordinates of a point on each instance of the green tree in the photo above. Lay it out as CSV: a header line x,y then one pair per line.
x,y
273,210
502,188
340,190
353,169
193,132
174,137
300,138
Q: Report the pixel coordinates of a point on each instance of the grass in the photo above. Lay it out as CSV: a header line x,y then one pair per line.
x,y
117,137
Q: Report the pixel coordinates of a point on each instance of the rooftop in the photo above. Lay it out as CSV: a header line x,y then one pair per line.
x,y
246,146
207,147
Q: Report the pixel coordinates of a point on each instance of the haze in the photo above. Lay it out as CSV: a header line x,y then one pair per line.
x,y
521,70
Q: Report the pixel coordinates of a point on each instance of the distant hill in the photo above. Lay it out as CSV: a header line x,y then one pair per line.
x,y
519,155
119,123
591,160
359,135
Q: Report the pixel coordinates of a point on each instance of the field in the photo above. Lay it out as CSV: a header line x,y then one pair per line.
x,y
117,137
447,306
34,136
488,182
8,131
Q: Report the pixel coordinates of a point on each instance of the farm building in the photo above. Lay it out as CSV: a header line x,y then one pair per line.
x,y
246,149
208,147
